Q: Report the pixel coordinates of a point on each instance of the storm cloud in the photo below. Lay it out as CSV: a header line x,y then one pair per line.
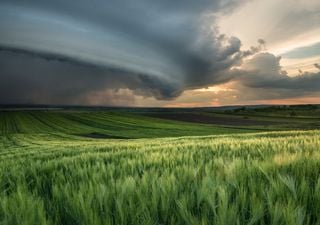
x,y
63,52
52,49
264,71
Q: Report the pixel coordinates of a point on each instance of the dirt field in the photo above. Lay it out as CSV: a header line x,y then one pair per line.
x,y
210,119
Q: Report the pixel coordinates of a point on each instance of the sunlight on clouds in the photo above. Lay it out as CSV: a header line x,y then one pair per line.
x,y
225,94
216,88
285,25
298,41
294,67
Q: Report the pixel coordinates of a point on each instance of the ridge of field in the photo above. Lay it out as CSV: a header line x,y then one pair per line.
x,y
106,124
256,178
272,118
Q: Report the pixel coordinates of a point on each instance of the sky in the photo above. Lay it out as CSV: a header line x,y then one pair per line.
x,y
151,53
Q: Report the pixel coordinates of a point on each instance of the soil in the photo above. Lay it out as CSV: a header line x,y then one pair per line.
x,y
210,119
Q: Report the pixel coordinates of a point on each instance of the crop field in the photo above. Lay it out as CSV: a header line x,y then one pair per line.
x,y
100,167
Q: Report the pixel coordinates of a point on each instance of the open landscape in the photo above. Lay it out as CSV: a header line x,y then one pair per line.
x,y
132,166
160,112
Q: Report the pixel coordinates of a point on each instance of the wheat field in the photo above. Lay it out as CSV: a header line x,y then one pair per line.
x,y
256,178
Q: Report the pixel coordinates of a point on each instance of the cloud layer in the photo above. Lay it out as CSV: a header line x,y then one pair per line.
x,y
65,52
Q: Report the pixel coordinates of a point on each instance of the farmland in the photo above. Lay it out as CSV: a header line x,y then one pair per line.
x,y
149,167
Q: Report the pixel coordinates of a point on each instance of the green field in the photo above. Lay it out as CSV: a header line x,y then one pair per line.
x,y
113,124
122,167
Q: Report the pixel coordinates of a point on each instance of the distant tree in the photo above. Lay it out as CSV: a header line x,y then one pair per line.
x,y
240,109
313,107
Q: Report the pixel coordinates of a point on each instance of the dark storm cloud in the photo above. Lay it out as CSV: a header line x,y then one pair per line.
x,y
155,48
64,52
42,55
47,79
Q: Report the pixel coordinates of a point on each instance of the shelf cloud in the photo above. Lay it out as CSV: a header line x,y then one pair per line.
x,y
61,52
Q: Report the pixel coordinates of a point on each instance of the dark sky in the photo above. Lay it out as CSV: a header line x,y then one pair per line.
x,y
113,52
